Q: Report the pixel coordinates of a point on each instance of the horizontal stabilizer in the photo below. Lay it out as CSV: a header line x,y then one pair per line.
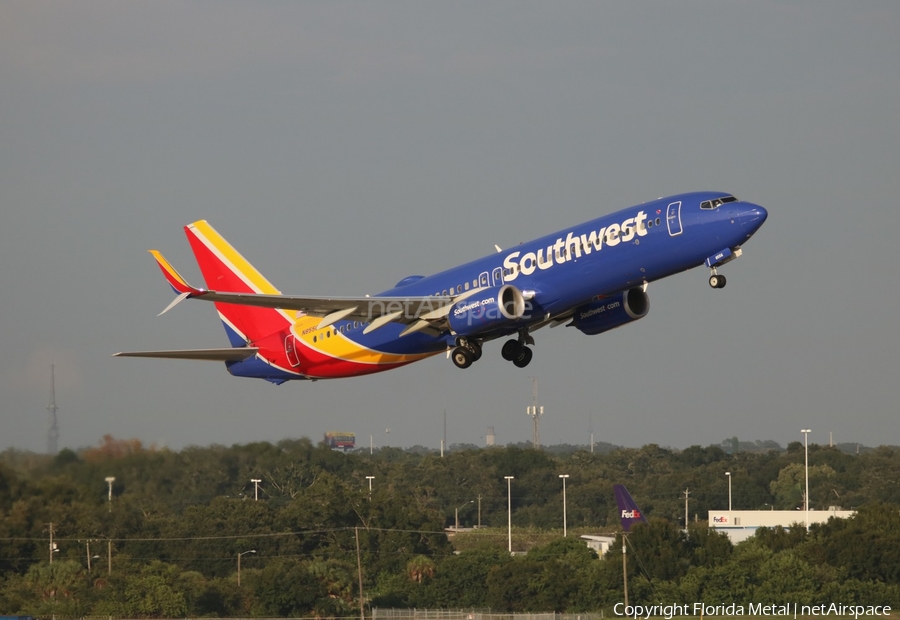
x,y
211,355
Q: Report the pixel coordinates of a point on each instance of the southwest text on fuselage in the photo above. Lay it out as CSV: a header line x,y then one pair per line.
x,y
573,247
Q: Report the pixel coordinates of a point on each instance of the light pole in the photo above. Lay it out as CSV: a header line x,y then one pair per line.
x,y
87,548
728,473
509,509
109,482
370,479
564,476
806,433
239,563
457,512
255,482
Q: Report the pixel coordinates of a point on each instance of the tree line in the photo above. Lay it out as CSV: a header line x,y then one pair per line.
x,y
168,541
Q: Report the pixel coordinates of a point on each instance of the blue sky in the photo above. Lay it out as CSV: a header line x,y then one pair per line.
x,y
343,146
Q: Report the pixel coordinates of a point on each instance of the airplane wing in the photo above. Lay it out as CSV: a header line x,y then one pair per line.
x,y
418,313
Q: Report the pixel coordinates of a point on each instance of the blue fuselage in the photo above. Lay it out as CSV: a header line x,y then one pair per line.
x,y
612,253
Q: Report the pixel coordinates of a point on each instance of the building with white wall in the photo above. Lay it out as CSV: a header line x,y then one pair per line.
x,y
742,524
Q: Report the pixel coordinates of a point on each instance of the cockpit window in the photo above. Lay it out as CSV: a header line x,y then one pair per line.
x,y
717,202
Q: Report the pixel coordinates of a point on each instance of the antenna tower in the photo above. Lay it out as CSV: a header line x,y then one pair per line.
x,y
535,412
52,430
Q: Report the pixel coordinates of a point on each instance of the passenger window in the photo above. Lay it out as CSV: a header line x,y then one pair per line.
x,y
467,285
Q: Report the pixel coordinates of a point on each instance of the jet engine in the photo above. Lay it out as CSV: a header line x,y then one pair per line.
x,y
609,312
487,309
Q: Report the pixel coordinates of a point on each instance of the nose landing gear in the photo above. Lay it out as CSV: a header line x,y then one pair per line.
x,y
717,260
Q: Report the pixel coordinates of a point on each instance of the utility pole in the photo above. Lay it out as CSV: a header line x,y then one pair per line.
x,y
52,430
362,609
52,545
535,414
625,565
686,493
591,428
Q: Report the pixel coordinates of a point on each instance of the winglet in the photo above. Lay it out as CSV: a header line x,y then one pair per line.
x,y
172,276
175,280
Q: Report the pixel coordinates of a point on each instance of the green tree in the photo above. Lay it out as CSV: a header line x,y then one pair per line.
x,y
462,580
60,588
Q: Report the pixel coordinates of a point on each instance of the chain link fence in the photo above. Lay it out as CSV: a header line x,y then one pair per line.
x,y
473,614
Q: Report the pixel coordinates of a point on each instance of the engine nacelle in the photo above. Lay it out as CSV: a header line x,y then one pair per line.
x,y
602,315
487,309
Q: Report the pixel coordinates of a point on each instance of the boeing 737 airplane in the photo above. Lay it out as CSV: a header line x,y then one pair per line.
x,y
592,277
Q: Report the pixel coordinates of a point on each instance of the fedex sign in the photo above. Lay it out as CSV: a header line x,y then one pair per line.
x,y
631,514
720,519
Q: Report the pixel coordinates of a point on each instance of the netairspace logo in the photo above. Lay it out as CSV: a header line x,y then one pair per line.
x,y
753,609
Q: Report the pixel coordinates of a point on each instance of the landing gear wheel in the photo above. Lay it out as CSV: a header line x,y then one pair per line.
x,y
462,357
717,281
476,350
510,350
523,358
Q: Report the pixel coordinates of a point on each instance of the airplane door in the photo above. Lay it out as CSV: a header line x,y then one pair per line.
x,y
673,218
290,349
498,276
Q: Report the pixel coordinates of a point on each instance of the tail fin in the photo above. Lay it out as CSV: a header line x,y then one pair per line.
x,y
224,269
629,513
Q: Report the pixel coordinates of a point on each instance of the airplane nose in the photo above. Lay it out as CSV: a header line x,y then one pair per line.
x,y
751,217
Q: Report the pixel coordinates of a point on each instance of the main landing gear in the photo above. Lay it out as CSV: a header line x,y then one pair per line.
x,y
466,352
517,351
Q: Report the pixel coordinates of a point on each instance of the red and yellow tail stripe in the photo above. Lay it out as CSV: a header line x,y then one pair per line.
x,y
224,269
